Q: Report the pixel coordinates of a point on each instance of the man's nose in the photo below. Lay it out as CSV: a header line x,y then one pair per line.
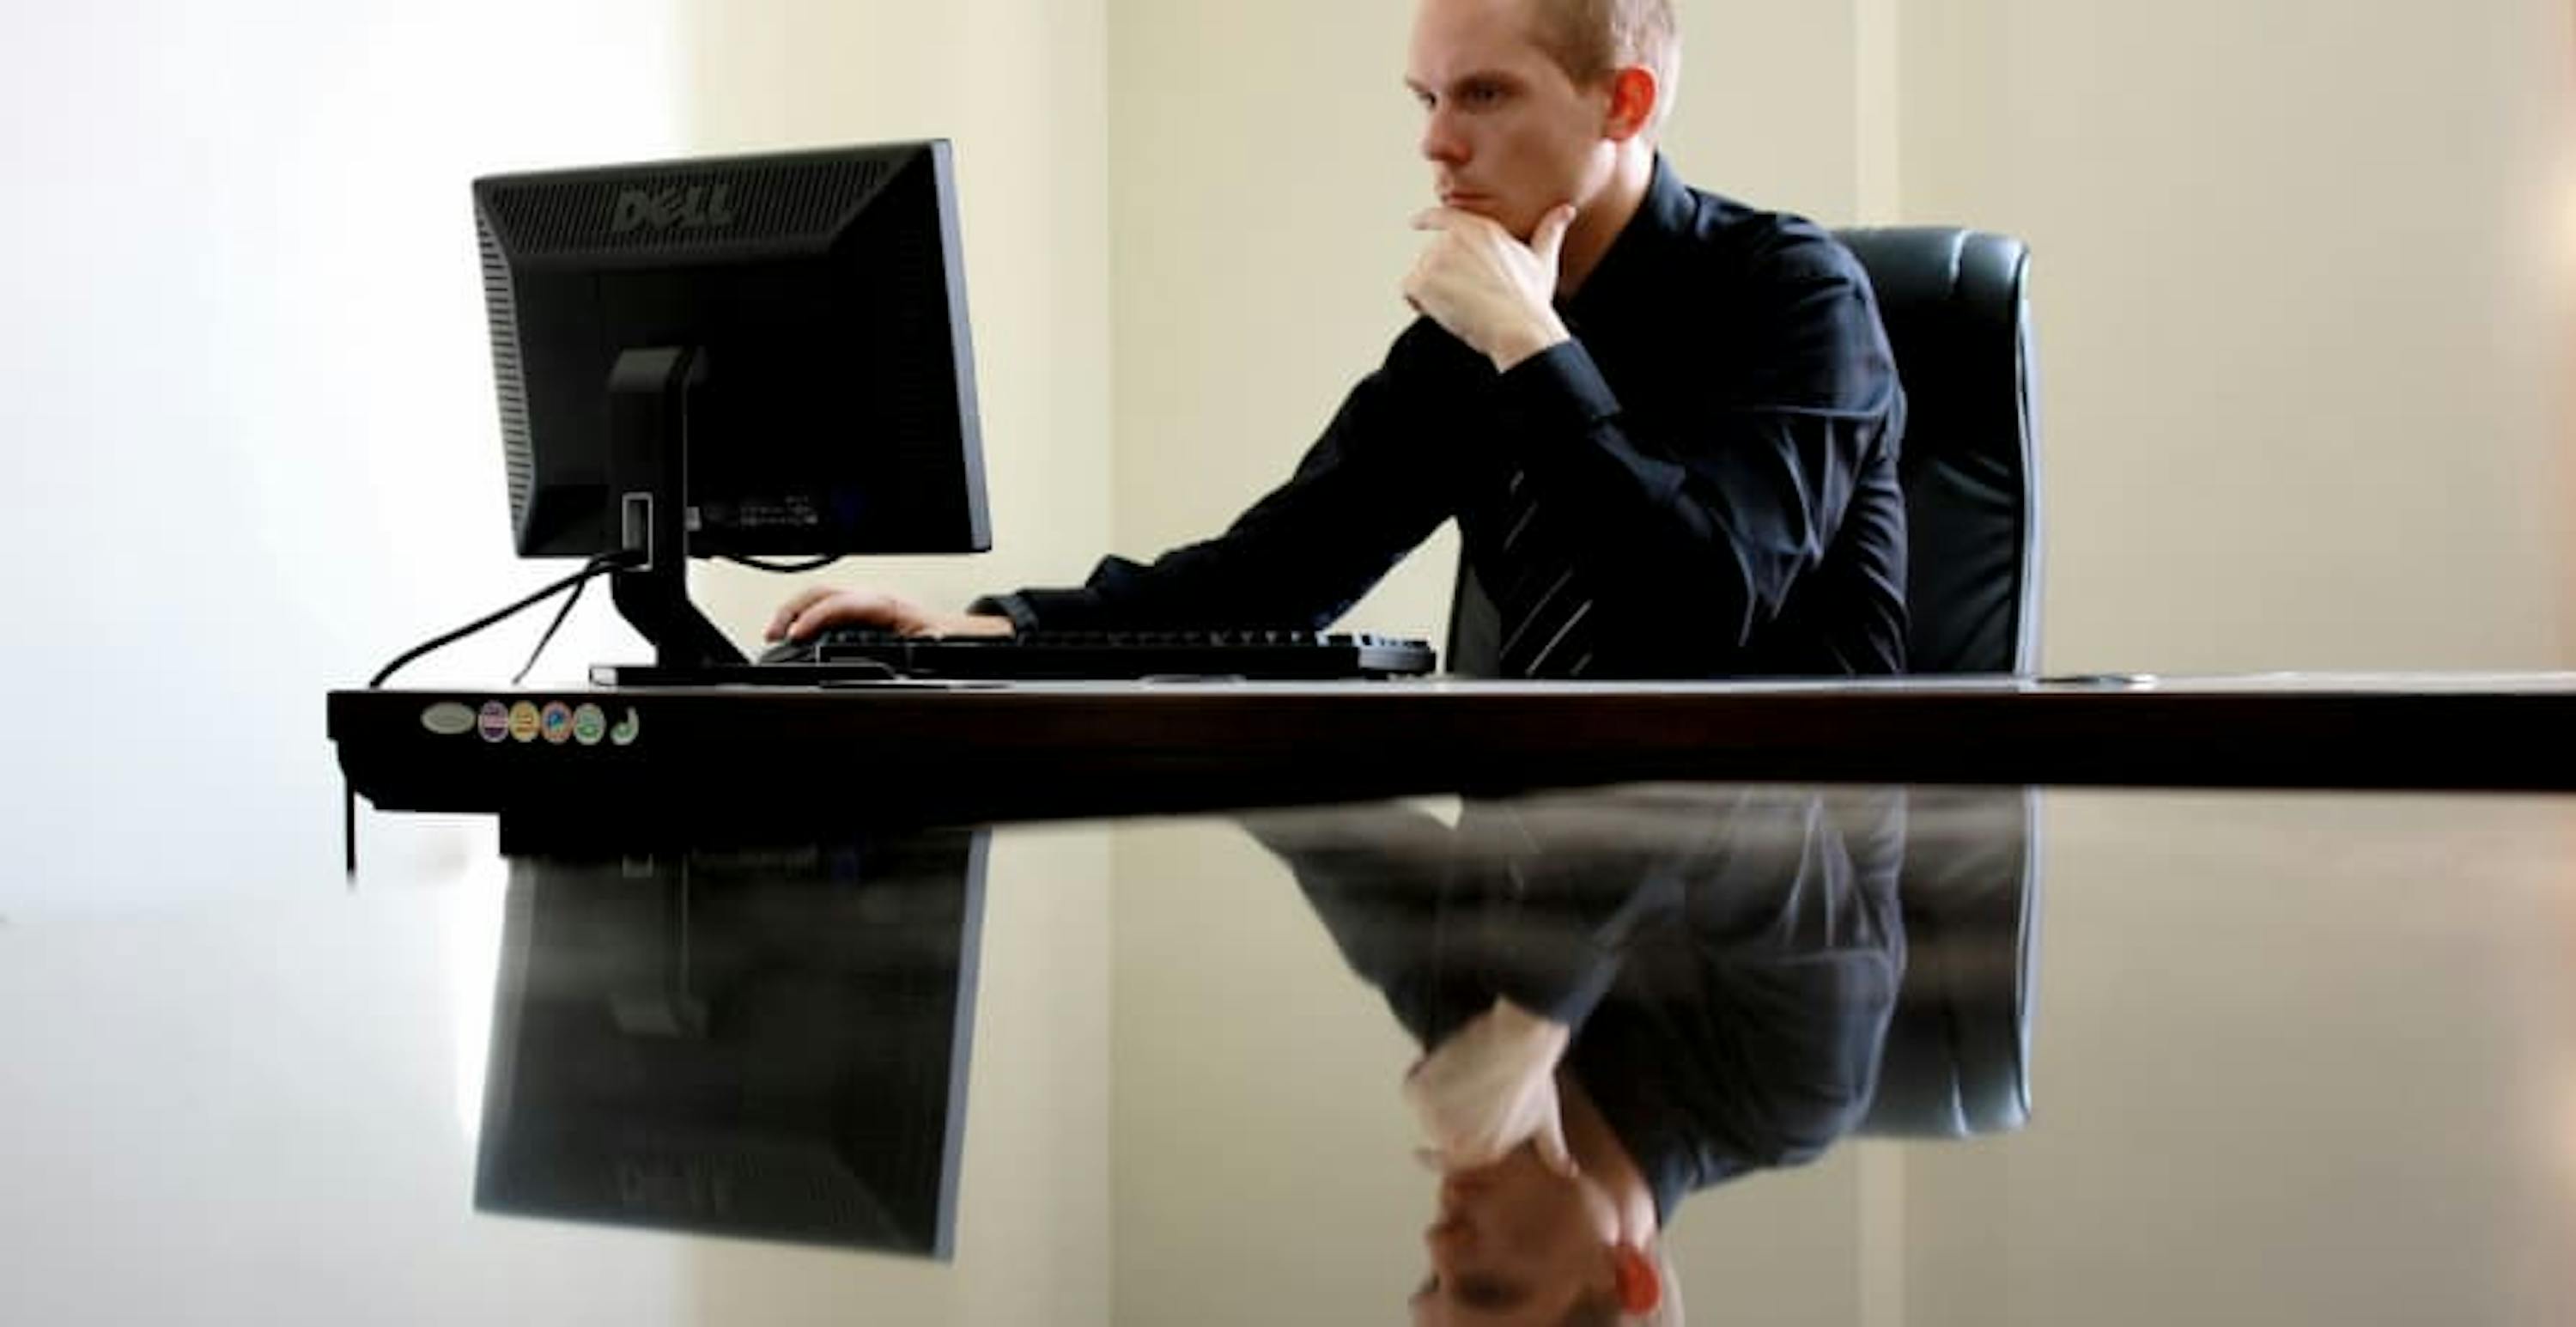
x,y
1441,141
1449,1239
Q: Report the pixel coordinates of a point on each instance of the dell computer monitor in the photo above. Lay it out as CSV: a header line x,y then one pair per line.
x,y
735,356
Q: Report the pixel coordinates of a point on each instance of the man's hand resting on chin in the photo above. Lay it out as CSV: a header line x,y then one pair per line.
x,y
1490,290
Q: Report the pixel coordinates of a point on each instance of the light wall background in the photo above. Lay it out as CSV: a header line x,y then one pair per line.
x,y
246,394
2303,291
2303,288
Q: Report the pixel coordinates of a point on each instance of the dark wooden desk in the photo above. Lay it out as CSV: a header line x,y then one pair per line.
x,y
917,755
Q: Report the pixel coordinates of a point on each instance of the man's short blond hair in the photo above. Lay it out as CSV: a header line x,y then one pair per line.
x,y
1593,39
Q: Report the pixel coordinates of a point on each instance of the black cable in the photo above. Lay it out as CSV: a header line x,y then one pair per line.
x,y
594,568
589,572
551,628
784,568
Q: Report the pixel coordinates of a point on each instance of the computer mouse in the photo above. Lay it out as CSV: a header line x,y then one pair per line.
x,y
790,650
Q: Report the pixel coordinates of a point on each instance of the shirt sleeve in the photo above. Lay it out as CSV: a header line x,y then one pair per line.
x,y
1368,491
1736,486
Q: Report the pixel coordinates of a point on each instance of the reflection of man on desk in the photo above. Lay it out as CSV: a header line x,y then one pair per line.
x,y
1666,423
1626,998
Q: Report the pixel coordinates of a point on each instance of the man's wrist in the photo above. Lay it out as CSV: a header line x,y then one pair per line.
x,y
1528,342
973,624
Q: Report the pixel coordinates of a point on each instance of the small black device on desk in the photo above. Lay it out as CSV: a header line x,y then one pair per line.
x,y
858,655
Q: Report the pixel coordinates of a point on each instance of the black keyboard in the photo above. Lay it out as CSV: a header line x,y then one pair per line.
x,y
1107,655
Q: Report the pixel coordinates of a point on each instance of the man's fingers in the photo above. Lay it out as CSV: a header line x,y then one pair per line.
x,y
1548,241
833,608
1551,1146
783,622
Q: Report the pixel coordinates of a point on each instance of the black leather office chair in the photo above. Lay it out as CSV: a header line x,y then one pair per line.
x,y
1958,316
1955,303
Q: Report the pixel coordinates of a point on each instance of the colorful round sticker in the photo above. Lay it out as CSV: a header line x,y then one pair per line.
x,y
494,721
589,725
448,719
556,721
628,728
523,721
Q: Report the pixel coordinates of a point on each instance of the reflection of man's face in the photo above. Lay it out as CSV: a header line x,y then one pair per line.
x,y
1509,135
1515,1242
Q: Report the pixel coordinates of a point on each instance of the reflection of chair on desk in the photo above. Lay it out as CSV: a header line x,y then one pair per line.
x,y
1958,317
1957,1056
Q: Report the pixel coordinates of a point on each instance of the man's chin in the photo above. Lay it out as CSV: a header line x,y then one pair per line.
x,y
1482,206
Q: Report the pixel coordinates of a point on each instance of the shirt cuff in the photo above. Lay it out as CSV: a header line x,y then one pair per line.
x,y
1558,390
1016,607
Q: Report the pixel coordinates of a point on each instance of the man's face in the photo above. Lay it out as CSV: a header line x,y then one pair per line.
x,y
1514,1242
1509,134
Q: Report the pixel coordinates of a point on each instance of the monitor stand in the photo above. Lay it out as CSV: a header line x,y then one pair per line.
x,y
648,470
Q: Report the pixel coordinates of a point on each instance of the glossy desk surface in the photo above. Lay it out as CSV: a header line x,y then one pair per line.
x,y
1951,1056
967,752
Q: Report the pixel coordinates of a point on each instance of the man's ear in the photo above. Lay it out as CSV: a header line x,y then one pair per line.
x,y
1634,95
1641,1287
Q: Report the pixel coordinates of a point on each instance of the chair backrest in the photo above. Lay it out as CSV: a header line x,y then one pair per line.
x,y
1957,313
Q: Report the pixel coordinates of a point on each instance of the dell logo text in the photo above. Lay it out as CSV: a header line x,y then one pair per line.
x,y
695,207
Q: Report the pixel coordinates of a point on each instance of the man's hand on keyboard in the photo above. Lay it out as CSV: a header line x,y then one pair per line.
x,y
818,609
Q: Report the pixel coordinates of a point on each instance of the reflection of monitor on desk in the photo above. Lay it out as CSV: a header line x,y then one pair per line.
x,y
733,357
765,1044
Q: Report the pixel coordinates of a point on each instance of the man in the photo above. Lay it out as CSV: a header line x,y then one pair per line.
x,y
1626,997
1666,424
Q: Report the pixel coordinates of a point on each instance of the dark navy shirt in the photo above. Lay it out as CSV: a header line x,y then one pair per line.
x,y
1719,438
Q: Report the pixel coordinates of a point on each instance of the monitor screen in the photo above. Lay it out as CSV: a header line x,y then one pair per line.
x,y
821,296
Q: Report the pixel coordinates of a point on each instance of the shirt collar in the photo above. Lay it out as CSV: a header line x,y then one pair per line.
x,y
1666,211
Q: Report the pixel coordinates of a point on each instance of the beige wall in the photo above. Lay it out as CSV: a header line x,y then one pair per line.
x,y
1262,175
2304,312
